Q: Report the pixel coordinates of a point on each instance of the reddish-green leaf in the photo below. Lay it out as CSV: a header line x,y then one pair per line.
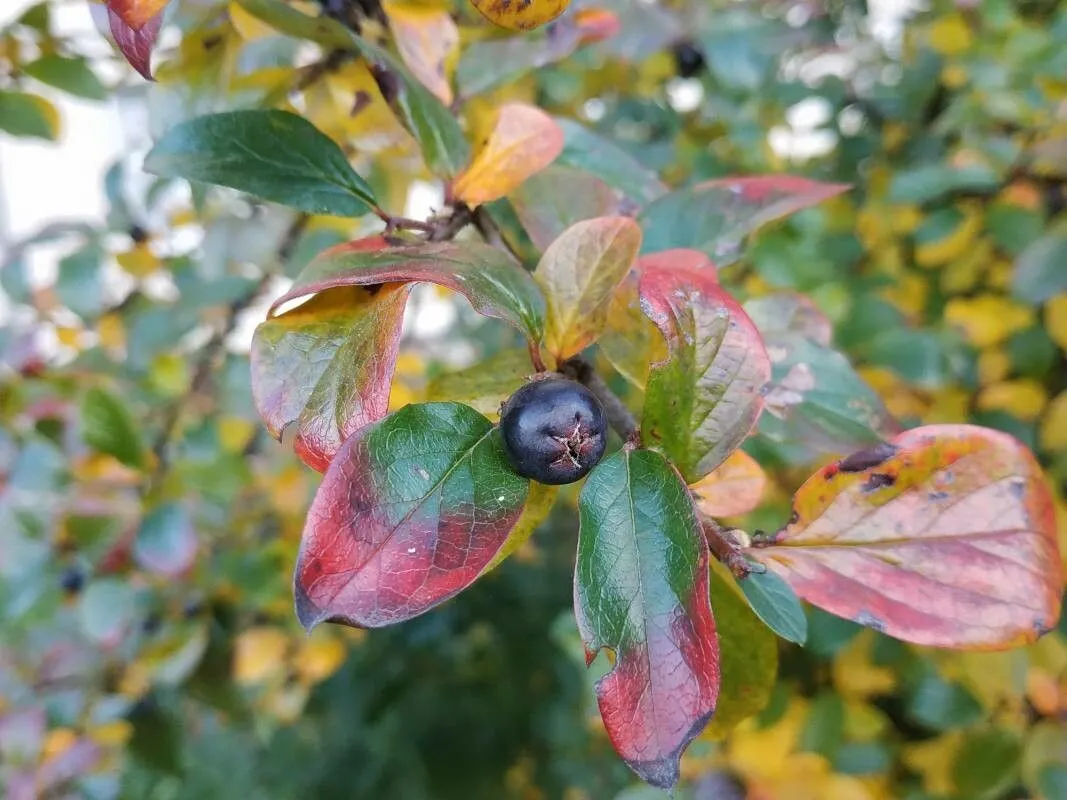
x,y
944,536
715,216
325,368
703,401
411,511
524,16
579,273
136,13
136,44
557,197
495,285
641,589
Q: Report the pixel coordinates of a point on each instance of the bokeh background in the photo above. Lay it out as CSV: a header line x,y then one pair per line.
x,y
148,647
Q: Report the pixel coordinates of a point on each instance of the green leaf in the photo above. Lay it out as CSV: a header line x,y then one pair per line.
x,y
824,727
1041,269
599,156
558,197
271,154
641,589
166,542
71,75
777,605
987,764
79,285
495,285
486,385
1053,782
748,656
29,116
940,705
441,139
415,507
933,181
106,610
109,427
286,19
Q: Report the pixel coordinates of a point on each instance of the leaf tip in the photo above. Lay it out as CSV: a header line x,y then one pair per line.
x,y
663,773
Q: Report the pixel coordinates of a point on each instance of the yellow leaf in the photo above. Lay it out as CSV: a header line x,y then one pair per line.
x,y
933,759
136,13
169,374
248,27
964,273
950,35
111,734
578,274
427,40
905,219
954,245
320,655
1023,398
734,488
139,262
1056,320
286,703
112,332
909,294
865,722
259,653
524,141
987,319
856,676
520,16
1053,435
954,76
994,365
756,752
539,504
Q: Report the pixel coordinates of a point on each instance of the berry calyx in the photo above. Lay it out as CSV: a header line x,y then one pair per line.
x,y
554,430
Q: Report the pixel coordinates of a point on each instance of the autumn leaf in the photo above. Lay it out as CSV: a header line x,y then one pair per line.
x,y
732,489
136,44
943,536
558,197
703,401
578,274
136,14
523,141
410,512
641,589
521,16
426,38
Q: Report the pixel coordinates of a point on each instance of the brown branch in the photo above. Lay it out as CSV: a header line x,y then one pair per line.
x,y
726,549
618,415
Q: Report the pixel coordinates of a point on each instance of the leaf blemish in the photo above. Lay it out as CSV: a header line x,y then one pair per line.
x,y
866,459
878,480
869,620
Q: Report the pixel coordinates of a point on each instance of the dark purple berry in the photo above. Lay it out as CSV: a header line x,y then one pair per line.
x,y
554,430
72,580
688,60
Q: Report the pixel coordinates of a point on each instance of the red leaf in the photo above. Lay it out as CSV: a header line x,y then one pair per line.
x,y
703,401
135,14
678,258
410,512
944,536
136,44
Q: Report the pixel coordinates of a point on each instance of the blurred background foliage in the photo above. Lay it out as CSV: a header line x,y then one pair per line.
x,y
148,526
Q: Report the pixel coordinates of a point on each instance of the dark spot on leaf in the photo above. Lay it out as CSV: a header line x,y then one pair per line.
x,y
360,102
1041,626
865,459
878,480
794,518
869,620
1017,486
935,497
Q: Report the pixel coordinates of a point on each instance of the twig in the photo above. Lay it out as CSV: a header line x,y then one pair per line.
x,y
725,548
618,415
490,231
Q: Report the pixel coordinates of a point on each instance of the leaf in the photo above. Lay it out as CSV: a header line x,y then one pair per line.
x,y
775,603
748,656
426,39
641,589
136,44
486,385
603,158
703,401
789,314
72,75
488,64
271,154
732,489
714,217
79,284
1041,269
495,285
520,16
630,342
987,765
107,426
286,19
944,536
136,13
106,610
166,542
539,505
557,197
435,128
578,274
410,512
354,336
524,140
27,115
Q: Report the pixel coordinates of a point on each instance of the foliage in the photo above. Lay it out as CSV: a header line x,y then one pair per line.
x,y
865,360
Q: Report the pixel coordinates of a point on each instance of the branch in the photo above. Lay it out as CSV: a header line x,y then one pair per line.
x,y
618,415
726,549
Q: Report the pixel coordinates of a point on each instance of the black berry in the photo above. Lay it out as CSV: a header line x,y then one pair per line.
x,y
554,430
688,60
72,580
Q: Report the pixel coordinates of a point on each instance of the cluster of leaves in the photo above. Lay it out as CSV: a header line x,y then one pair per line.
x,y
943,535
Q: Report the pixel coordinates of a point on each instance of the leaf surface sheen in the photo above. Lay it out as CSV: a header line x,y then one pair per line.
x,y
641,588
410,512
943,536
